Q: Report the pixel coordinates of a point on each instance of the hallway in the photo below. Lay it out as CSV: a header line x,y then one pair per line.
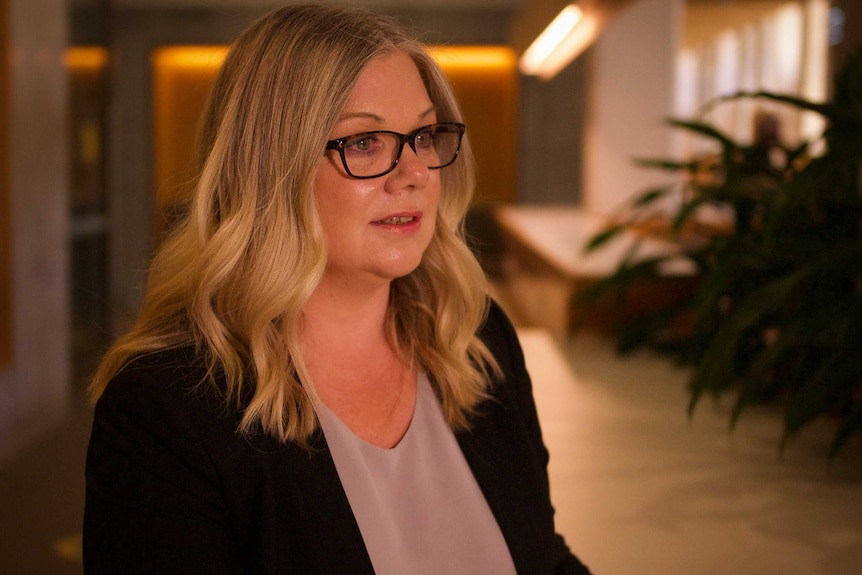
x,y
41,502
638,487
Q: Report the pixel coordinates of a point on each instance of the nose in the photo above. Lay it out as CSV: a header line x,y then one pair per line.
x,y
410,172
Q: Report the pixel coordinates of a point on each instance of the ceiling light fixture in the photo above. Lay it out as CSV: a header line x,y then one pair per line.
x,y
564,38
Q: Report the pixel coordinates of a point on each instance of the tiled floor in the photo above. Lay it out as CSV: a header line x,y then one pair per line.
x,y
638,487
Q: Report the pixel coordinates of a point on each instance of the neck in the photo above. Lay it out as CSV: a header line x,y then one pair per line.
x,y
352,365
342,313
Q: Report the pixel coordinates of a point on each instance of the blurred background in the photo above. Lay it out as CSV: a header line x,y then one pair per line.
x,y
98,107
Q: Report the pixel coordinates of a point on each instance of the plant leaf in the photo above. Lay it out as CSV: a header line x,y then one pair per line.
x,y
824,109
716,369
706,130
604,237
851,425
651,196
669,165
758,369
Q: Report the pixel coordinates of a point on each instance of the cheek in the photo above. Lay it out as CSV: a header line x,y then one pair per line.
x,y
326,194
434,200
341,202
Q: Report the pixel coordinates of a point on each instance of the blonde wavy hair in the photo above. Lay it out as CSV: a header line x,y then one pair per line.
x,y
231,278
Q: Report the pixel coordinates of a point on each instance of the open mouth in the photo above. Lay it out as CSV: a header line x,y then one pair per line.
x,y
396,220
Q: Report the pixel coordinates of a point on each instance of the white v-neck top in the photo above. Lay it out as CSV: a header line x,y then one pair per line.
x,y
418,505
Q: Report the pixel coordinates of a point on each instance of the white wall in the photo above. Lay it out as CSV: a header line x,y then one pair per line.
x,y
783,50
631,93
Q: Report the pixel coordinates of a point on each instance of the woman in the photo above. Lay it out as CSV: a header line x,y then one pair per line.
x,y
315,383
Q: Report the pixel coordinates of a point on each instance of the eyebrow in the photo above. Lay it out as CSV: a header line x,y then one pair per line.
x,y
378,119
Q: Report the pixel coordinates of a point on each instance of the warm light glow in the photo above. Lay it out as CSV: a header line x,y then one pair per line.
x,y
558,44
182,79
485,80
449,57
86,57
198,57
467,57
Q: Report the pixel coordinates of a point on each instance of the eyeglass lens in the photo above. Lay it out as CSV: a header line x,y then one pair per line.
x,y
375,153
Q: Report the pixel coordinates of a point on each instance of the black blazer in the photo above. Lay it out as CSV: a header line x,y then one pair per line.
x,y
172,487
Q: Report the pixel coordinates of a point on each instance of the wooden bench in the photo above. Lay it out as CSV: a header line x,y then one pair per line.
x,y
545,267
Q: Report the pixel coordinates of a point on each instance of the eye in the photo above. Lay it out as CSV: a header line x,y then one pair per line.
x,y
361,144
425,138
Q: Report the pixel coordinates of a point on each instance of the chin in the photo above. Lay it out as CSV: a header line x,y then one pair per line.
x,y
402,267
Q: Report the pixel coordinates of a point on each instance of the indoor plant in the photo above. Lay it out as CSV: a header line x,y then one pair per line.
x,y
777,311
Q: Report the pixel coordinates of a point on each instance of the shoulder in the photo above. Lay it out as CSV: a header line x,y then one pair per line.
x,y
496,320
165,393
500,337
164,470
161,374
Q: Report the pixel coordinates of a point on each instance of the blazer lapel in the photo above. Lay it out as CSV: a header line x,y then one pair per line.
x,y
493,470
339,543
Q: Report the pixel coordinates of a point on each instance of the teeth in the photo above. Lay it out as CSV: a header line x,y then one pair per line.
x,y
393,221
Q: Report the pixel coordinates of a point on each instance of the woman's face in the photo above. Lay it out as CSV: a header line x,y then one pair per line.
x,y
377,229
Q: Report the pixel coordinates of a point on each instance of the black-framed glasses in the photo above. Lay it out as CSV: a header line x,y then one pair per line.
x,y
374,154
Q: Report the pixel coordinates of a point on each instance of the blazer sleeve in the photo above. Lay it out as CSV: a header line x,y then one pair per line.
x,y
153,502
502,339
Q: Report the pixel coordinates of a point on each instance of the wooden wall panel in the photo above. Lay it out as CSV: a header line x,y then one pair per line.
x,y
182,79
485,80
5,202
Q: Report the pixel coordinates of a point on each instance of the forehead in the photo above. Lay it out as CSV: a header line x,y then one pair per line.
x,y
389,86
